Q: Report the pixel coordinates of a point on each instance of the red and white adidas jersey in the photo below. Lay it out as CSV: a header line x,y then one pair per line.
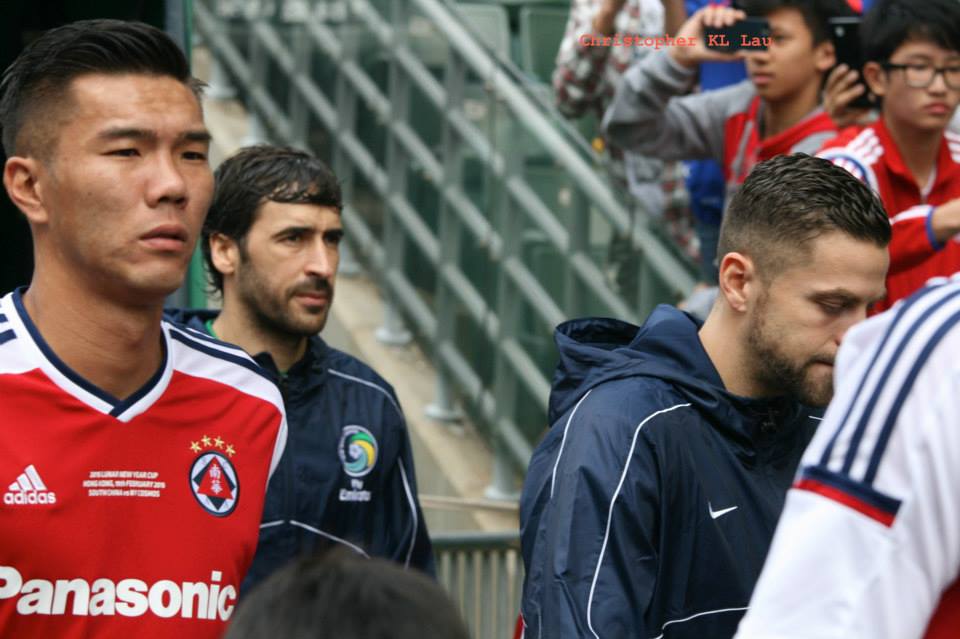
x,y
136,517
872,156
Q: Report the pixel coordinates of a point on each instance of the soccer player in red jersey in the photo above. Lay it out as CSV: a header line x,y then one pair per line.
x,y
134,453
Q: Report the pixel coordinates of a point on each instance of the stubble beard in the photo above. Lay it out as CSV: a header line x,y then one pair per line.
x,y
271,310
776,372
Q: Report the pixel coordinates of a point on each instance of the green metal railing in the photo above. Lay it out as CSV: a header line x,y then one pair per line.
x,y
481,213
483,574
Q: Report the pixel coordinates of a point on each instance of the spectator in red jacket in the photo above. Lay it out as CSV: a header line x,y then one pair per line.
x,y
908,156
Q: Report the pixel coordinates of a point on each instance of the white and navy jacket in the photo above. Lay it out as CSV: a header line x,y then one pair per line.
x,y
649,506
346,477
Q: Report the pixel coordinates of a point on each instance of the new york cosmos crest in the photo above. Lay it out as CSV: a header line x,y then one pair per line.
x,y
213,479
358,450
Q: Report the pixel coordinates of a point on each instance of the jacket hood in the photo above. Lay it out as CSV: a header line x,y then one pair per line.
x,y
667,347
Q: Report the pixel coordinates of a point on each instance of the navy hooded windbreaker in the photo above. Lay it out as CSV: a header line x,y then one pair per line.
x,y
346,476
649,506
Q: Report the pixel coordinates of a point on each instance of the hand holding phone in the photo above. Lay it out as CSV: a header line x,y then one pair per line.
x,y
845,33
694,30
749,34
842,88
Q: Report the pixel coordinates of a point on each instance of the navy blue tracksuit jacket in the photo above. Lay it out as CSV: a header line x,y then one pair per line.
x,y
649,507
346,476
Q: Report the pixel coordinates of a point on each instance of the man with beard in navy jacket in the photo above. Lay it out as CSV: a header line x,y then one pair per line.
x,y
271,243
649,507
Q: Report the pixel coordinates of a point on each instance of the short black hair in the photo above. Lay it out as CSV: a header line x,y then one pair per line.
x,y
258,174
815,12
788,201
890,23
38,80
346,596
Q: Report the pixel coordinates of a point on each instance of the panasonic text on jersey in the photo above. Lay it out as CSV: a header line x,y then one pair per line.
x,y
127,597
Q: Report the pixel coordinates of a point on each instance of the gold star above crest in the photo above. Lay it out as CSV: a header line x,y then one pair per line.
x,y
218,442
230,450
195,447
206,441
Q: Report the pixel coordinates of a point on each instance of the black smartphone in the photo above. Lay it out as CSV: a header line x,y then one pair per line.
x,y
748,34
845,33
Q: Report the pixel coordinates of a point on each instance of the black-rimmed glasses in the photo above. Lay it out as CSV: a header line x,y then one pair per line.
x,y
920,76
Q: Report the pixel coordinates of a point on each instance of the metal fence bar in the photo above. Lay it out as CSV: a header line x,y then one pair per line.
x,y
482,573
443,407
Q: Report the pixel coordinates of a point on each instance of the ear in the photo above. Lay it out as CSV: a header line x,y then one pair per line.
x,y
224,253
875,77
824,56
22,178
737,280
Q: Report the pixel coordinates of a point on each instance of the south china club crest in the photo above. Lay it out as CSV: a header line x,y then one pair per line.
x,y
213,479
358,450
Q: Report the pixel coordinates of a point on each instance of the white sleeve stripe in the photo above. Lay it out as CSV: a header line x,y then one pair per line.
x,y
317,531
413,513
367,383
563,441
865,142
699,614
278,447
915,328
857,167
921,210
613,501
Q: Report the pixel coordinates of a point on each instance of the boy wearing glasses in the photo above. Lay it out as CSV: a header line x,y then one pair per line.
x,y
907,156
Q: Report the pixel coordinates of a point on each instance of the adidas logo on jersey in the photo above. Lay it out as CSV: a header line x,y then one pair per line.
x,y
29,489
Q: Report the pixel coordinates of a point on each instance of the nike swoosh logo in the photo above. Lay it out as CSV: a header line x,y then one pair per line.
x,y
720,513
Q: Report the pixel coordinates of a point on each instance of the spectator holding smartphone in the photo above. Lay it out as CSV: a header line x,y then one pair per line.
x,y
776,111
907,156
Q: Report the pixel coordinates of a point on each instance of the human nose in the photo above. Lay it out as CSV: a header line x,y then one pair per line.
x,y
759,57
322,261
938,83
167,183
848,322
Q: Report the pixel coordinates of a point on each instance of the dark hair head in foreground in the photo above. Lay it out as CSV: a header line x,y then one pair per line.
x,y
35,88
341,595
255,175
790,200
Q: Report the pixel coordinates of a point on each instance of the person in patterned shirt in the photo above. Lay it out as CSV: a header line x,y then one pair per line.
x,y
584,81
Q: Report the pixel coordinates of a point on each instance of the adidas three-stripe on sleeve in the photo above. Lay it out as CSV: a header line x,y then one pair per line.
x,y
869,541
